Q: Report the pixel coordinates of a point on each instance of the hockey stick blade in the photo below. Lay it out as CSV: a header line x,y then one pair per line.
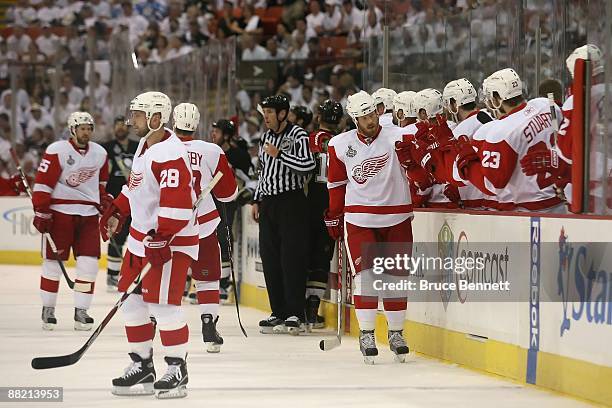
x,y
43,363
329,344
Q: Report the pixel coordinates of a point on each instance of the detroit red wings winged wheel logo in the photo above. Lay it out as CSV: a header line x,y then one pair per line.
x,y
369,168
80,176
135,180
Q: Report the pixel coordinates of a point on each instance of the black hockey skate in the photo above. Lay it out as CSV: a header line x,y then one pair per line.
x,y
367,345
266,326
48,318
294,326
312,310
112,282
398,345
137,379
210,335
82,321
174,383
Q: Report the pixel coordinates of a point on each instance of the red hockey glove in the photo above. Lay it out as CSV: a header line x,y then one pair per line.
x,y
111,222
17,185
465,155
403,151
442,133
452,193
547,161
43,220
335,225
317,141
157,249
420,177
106,200
423,132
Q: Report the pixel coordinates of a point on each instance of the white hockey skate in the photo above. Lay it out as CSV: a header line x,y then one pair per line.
x,y
367,345
398,345
294,326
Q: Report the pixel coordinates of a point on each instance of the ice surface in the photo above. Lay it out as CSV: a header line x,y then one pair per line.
x,y
261,371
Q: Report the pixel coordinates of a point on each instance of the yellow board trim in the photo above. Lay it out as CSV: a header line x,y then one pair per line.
x,y
562,374
34,258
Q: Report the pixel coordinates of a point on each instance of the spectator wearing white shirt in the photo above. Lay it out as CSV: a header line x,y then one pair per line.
x,y
101,9
293,87
332,19
100,91
6,129
352,17
299,50
302,28
275,53
372,28
62,109
177,48
39,118
252,51
19,41
75,94
23,104
315,19
75,43
22,13
47,42
136,24
48,12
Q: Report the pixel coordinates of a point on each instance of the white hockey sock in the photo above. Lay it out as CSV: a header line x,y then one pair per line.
x,y
208,297
86,271
173,329
138,325
49,282
395,319
366,318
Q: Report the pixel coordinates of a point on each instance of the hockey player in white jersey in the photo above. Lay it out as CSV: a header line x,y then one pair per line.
x,y
557,161
369,202
159,197
459,98
69,191
490,161
428,105
384,105
206,159
404,111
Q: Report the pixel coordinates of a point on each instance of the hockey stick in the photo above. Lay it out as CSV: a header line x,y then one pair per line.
x,y
329,344
79,287
231,257
42,363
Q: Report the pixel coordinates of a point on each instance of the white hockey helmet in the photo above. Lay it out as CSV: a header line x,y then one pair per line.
x,y
384,96
79,118
186,116
151,103
461,91
360,104
403,101
588,51
504,82
430,100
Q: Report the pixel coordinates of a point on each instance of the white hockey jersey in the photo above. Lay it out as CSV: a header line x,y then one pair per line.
x,y
386,120
161,196
503,143
471,196
366,181
206,160
69,179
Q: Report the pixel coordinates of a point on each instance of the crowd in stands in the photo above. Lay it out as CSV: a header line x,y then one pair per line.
x,y
318,47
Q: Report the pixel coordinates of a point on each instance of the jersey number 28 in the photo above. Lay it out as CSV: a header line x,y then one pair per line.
x,y
169,178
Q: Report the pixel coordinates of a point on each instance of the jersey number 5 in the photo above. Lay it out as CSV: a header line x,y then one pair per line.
x,y
44,165
490,159
169,178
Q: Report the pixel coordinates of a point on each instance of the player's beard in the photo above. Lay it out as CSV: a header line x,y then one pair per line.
x,y
81,140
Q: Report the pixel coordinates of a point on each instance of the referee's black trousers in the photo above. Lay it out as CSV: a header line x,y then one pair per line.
x,y
283,245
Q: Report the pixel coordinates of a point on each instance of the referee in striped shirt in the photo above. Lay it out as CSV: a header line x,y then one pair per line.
x,y
281,209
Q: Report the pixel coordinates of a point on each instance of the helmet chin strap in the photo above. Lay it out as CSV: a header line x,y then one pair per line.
x,y
151,131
